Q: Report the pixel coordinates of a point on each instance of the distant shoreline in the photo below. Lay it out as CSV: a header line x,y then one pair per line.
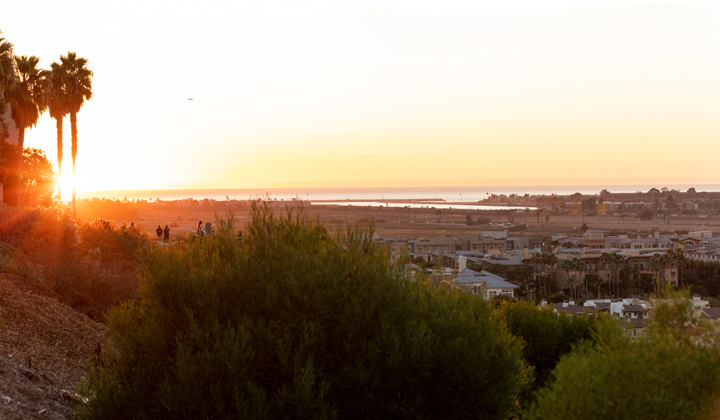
x,y
461,195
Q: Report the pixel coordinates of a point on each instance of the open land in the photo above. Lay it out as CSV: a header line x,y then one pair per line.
x,y
406,222
47,344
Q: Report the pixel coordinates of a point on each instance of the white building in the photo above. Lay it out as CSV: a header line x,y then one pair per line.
x,y
484,283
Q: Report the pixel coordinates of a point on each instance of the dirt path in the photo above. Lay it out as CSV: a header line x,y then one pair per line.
x,y
44,346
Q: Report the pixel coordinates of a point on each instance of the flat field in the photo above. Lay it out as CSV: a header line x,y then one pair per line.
x,y
410,223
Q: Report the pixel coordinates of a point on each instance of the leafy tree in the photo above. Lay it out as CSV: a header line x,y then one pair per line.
x,y
670,201
703,277
295,324
664,374
646,214
590,205
546,334
37,180
559,298
593,281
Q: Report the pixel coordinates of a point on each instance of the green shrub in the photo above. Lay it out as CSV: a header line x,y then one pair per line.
x,y
294,323
89,266
546,334
666,374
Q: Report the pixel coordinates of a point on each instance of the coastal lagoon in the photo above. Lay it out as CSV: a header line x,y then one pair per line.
x,y
464,195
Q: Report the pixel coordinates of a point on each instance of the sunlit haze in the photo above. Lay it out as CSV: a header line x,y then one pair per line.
x,y
302,93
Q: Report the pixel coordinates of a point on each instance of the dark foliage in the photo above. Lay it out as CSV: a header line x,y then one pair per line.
x,y
296,324
90,266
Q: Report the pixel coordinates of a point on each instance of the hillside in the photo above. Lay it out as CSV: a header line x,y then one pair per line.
x,y
44,348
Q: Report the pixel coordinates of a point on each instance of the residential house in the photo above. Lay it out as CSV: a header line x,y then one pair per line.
x,y
484,283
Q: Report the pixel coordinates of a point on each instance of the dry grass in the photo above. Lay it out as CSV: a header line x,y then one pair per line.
x,y
422,223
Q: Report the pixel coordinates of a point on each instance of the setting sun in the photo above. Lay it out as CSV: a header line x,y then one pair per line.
x,y
65,185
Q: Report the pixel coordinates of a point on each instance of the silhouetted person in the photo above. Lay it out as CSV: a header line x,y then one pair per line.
x,y
159,232
166,233
200,229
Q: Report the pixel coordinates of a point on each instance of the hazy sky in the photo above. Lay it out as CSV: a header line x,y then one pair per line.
x,y
304,93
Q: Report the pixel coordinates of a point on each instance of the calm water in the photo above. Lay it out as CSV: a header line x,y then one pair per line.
x,y
434,205
463,195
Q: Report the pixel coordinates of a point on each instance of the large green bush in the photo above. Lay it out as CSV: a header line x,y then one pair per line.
x,y
670,373
294,323
89,266
546,334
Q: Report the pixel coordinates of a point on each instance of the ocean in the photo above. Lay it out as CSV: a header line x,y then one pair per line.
x,y
464,195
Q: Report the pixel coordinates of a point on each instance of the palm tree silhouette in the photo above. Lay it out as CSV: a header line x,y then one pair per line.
x,y
56,94
25,97
7,75
79,89
7,64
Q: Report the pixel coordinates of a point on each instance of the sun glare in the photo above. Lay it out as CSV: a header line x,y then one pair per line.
x,y
65,186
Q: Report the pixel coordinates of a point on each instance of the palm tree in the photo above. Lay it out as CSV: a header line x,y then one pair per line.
x,y
614,259
657,264
56,94
550,260
577,265
7,78
79,89
26,100
7,64
582,268
568,266
678,257
535,261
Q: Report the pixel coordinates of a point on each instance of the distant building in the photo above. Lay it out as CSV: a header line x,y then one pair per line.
x,y
484,283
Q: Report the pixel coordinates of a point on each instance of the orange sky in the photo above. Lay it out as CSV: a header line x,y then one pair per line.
x,y
298,93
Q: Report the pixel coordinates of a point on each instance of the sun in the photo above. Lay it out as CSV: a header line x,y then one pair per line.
x,y
65,185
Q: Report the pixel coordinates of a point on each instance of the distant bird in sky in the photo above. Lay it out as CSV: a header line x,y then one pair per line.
x,y
189,99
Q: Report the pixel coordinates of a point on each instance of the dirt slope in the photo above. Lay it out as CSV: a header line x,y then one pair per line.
x,y
44,346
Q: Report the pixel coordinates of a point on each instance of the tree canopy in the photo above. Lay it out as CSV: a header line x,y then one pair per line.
x,y
297,323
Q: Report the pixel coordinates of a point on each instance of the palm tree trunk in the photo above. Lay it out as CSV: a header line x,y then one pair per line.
x,y
73,150
18,177
59,127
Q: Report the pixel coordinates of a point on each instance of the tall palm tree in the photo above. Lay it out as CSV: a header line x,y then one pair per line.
x,y
568,266
550,261
577,265
615,260
56,94
677,257
7,64
658,262
26,100
79,84
7,78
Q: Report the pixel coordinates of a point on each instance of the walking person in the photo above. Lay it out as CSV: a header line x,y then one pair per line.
x,y
166,233
159,232
200,229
